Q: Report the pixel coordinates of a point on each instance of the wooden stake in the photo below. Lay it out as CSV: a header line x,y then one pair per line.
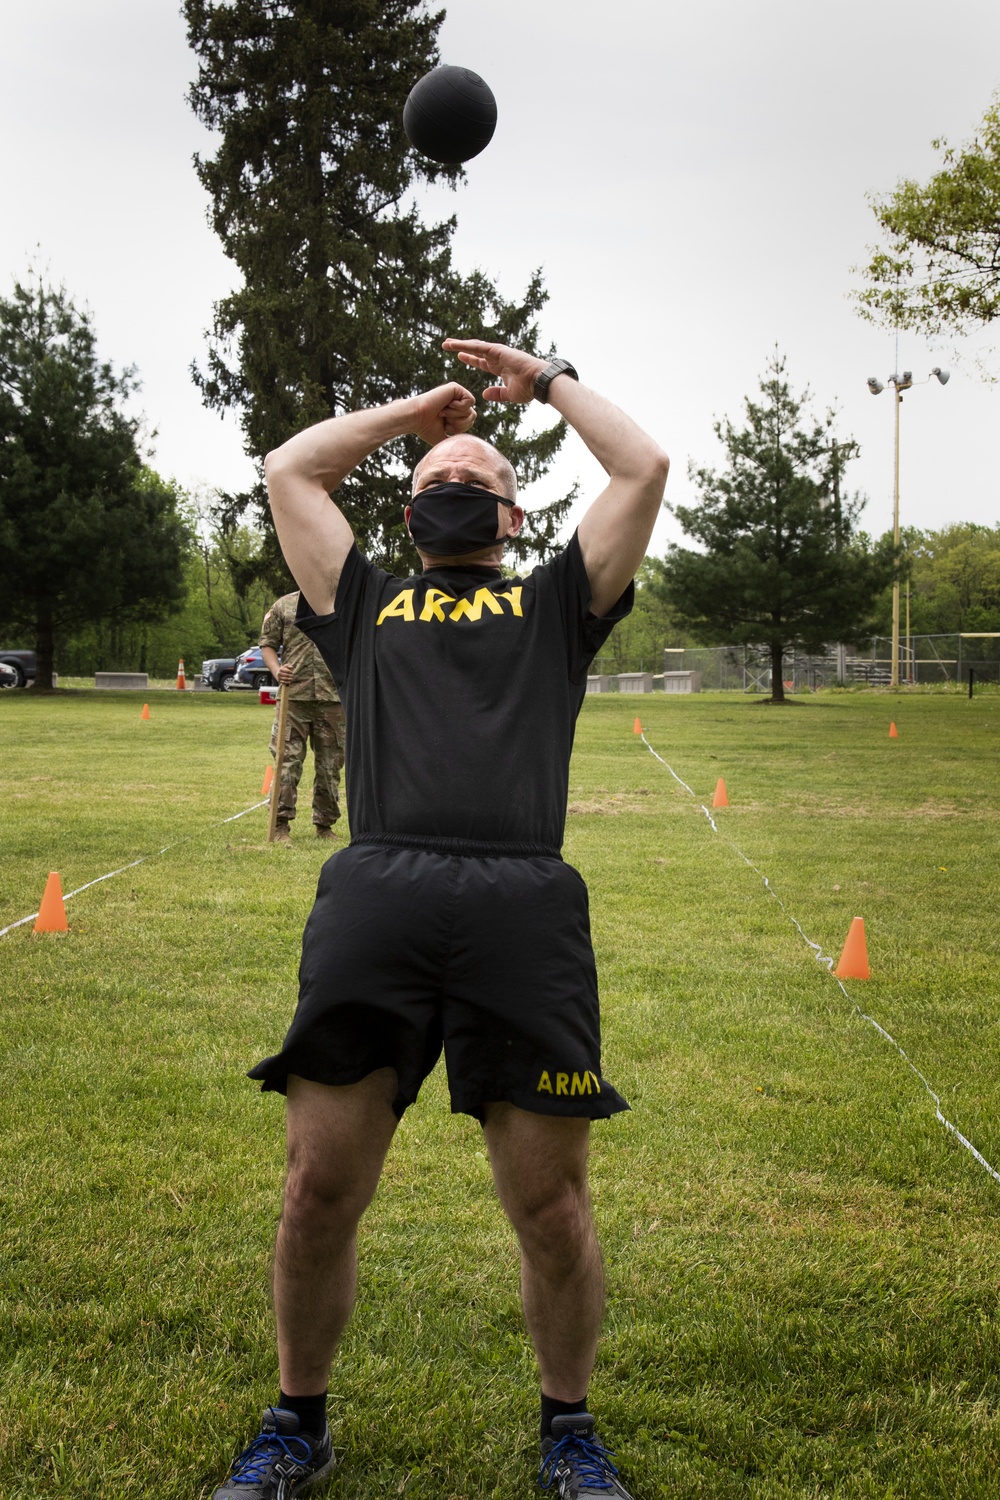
x,y
279,756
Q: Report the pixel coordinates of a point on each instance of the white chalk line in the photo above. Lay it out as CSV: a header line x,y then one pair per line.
x,y
68,895
828,962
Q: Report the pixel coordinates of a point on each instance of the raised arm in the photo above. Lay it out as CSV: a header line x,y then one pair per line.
x,y
313,531
615,530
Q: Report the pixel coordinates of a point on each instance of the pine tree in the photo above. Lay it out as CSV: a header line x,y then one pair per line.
x,y
781,565
87,531
346,293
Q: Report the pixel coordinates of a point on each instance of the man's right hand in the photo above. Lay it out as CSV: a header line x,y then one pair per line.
x,y
303,473
444,412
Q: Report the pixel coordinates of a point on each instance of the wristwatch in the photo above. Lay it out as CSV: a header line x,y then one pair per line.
x,y
545,377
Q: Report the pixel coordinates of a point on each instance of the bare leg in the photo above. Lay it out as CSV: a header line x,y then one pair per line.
x,y
540,1170
337,1141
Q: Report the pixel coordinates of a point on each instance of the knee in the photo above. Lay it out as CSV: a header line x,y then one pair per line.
x,y
557,1227
316,1203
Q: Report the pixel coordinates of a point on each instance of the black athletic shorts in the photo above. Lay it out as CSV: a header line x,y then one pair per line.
x,y
409,949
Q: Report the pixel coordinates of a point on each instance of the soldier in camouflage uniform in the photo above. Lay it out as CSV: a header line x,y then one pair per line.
x,y
314,715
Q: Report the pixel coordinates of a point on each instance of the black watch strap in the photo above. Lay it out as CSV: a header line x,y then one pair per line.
x,y
545,377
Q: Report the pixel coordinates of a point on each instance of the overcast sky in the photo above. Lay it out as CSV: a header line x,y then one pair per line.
x,y
691,179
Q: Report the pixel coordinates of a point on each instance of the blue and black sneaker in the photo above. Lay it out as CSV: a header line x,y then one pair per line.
x,y
576,1463
280,1462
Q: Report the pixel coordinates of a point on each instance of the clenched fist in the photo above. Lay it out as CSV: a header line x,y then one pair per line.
x,y
444,412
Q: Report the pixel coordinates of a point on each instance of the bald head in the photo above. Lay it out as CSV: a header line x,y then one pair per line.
x,y
466,460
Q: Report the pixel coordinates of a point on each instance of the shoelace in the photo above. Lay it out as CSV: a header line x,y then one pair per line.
x,y
251,1466
589,1458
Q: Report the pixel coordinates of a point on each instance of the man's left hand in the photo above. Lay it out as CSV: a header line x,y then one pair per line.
x,y
516,370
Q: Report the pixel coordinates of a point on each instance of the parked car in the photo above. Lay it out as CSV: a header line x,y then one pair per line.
x,y
219,673
251,671
8,676
23,663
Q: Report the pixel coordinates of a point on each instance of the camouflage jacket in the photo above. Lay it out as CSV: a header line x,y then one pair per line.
x,y
312,680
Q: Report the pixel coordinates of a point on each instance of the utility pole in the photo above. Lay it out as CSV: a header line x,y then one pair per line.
x,y
899,383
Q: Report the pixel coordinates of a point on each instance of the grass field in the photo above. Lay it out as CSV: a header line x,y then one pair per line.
x,y
802,1263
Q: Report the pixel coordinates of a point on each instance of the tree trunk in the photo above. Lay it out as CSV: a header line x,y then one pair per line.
x,y
777,685
45,649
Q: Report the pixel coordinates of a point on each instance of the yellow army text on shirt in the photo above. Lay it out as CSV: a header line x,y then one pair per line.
x,y
312,681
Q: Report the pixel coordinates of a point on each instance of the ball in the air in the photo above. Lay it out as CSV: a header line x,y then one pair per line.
x,y
450,114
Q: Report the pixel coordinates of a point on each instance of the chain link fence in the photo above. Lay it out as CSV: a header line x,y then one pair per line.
x,y
924,660
945,658
747,669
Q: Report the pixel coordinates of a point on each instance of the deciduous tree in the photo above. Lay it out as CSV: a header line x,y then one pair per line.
x,y
636,643
938,269
954,578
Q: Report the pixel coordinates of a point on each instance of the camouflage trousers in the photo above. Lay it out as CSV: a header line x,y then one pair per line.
x,y
322,726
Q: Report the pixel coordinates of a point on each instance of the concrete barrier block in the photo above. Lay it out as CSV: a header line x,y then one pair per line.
x,y
682,682
138,681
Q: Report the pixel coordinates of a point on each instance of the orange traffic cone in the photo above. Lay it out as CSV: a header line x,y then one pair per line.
x,y
181,683
268,778
854,959
720,799
893,732
637,726
145,711
52,912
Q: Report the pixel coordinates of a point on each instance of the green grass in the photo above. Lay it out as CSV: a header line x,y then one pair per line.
x,y
801,1260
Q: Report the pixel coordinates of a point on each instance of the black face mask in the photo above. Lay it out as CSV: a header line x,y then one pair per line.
x,y
449,520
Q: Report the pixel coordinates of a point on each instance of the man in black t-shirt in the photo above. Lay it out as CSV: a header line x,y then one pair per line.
x,y
451,921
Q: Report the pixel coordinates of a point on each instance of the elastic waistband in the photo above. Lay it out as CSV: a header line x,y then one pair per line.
x,y
467,848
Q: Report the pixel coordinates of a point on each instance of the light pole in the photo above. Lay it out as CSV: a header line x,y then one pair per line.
x,y
899,383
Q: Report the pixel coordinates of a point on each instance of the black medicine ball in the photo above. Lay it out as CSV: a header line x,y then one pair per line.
x,y
450,114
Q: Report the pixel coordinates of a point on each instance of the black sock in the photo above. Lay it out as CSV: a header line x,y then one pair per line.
x,y
310,1410
553,1408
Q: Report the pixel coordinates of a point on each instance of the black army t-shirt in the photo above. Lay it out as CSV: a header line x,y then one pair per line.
x,y
461,690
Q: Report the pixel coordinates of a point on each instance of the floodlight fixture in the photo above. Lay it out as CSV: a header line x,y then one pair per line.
x,y
875,386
